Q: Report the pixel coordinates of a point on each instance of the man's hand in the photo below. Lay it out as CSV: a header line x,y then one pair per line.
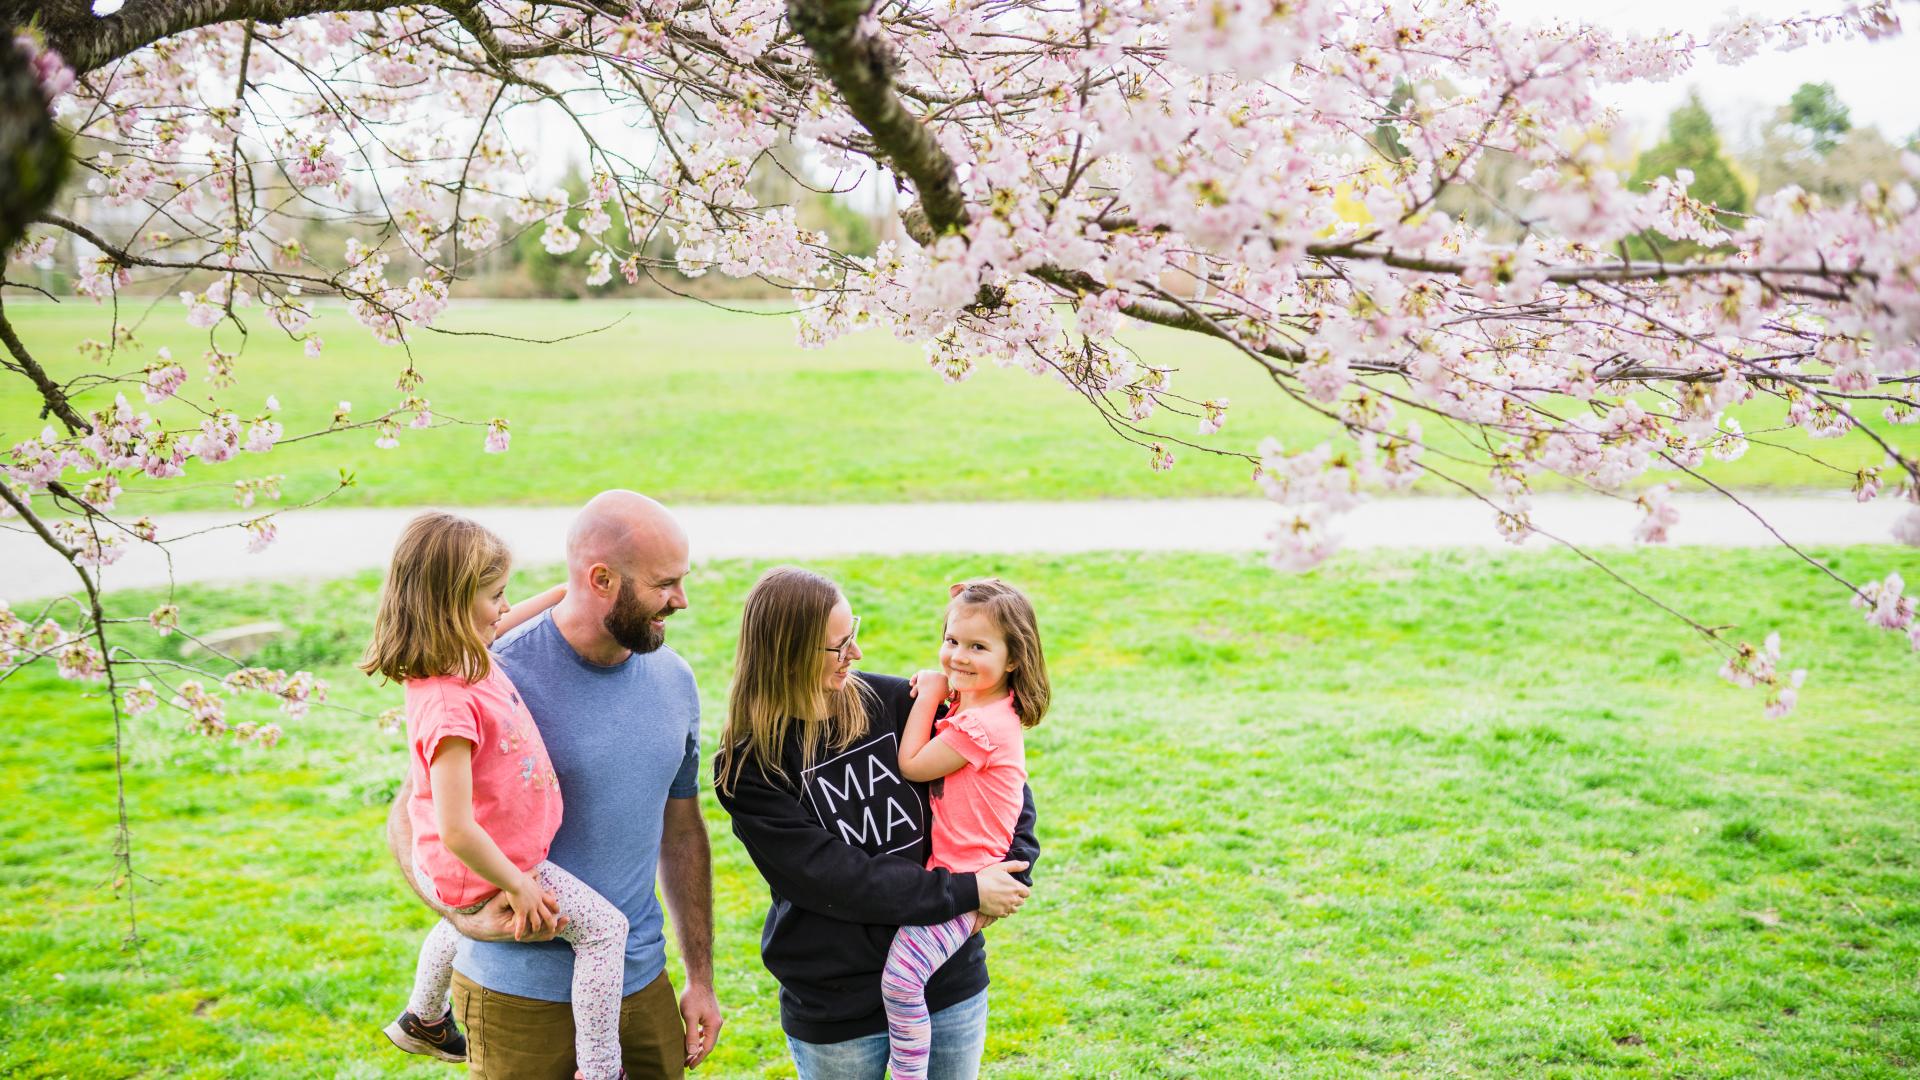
x,y
686,884
495,922
700,1012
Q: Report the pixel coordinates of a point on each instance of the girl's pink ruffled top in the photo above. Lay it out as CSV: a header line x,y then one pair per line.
x,y
975,806
516,796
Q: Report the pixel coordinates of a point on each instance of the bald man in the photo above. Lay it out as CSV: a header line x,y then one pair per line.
x,y
620,716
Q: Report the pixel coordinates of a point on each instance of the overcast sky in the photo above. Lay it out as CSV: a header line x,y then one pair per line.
x,y
1878,81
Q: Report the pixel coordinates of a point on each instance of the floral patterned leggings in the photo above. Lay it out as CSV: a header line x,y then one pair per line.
x,y
598,933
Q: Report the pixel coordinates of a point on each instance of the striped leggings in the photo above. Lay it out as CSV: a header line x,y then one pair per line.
x,y
918,951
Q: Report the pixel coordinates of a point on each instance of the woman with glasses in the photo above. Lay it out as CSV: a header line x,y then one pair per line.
x,y
808,767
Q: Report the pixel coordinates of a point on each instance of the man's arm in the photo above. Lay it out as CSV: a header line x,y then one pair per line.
x,y
491,923
400,843
686,880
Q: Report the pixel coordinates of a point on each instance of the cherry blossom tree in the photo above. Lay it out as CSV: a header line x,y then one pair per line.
x,y
1064,170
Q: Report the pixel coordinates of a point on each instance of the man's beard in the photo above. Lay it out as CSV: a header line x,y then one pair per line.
x,y
631,625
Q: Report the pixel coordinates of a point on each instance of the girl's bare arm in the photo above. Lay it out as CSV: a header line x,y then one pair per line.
x,y
452,772
531,606
922,758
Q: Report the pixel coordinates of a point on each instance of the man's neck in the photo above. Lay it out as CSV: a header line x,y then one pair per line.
x,y
587,635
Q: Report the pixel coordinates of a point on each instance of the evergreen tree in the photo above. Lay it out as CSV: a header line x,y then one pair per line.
x,y
1693,143
1816,109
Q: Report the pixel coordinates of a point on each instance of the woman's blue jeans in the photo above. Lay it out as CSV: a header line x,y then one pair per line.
x,y
959,1035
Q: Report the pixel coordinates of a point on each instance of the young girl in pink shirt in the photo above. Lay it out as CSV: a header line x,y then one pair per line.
x,y
993,678
485,799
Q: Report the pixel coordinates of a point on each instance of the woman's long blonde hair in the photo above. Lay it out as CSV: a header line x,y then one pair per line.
x,y
425,624
779,680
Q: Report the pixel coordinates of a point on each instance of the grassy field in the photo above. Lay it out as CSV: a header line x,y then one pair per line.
x,y
1365,821
697,405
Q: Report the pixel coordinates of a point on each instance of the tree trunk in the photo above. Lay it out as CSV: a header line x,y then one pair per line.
x,y
33,155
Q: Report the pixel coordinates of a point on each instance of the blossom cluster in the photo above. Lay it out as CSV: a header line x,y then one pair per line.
x,y
1281,177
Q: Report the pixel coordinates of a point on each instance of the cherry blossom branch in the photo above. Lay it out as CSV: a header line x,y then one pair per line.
x,y
1711,633
1765,524
53,399
123,835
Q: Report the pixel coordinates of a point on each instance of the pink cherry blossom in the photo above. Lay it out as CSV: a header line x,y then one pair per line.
x,y
165,619
80,660
1661,515
1886,608
206,711
139,699
261,532
599,268
1907,529
49,70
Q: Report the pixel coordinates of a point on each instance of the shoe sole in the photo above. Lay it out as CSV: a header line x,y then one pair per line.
x,y
398,1036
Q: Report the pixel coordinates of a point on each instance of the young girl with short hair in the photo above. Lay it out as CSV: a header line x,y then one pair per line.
x,y
486,802
993,680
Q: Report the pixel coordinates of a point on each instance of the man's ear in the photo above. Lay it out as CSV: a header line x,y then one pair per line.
x,y
955,589
601,577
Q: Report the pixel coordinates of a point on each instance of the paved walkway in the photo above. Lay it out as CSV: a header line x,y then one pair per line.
x,y
327,543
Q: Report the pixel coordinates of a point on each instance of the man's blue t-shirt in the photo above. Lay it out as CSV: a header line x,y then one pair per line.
x,y
623,739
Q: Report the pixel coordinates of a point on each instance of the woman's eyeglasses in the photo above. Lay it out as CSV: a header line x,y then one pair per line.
x,y
840,650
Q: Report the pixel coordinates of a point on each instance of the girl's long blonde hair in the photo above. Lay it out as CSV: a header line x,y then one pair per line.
x,y
1012,612
779,680
425,624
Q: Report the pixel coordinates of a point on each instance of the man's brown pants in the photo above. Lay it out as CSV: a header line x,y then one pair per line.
x,y
516,1038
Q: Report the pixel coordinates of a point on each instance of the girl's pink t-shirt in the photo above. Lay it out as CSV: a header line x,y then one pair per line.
x,y
976,805
516,796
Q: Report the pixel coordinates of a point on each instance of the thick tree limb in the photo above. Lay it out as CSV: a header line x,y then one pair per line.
x,y
53,398
861,68
88,41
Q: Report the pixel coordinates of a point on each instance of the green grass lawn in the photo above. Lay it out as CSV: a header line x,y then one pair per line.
x,y
697,405
1365,821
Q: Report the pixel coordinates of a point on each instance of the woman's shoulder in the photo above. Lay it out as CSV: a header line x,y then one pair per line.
x,y
883,685
889,698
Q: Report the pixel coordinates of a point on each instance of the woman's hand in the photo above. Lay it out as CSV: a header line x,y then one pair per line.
x,y
535,911
932,682
982,920
1000,894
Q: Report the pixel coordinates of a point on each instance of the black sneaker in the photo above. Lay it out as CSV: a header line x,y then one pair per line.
x,y
441,1039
